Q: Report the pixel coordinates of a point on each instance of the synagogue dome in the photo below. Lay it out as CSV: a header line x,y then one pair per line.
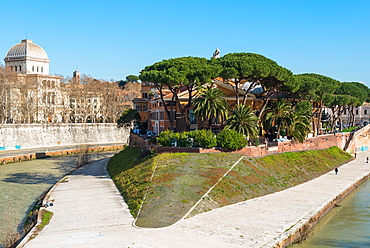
x,y
27,58
27,49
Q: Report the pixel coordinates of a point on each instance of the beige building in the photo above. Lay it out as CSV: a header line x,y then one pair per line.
x,y
35,96
362,115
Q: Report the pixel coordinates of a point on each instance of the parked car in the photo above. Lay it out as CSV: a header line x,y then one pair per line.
x,y
150,134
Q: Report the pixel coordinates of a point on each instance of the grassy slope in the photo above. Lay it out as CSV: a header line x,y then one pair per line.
x,y
181,179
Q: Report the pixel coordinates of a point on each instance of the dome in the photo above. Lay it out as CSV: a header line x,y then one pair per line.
x,y
27,49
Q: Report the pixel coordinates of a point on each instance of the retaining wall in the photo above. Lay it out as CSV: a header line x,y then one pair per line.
x,y
320,142
16,136
31,156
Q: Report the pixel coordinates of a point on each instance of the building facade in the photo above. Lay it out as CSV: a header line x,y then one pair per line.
x,y
32,95
28,94
361,114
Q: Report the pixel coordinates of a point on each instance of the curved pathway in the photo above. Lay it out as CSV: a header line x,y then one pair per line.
x,y
90,212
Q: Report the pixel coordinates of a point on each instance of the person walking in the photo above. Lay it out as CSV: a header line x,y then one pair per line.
x,y
336,171
367,159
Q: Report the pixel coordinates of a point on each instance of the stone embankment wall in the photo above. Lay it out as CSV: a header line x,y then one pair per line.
x,y
360,140
31,156
15,136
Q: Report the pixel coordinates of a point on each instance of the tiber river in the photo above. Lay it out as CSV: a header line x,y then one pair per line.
x,y
347,225
22,183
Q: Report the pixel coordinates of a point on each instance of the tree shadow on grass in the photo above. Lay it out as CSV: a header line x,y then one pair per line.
x,y
31,178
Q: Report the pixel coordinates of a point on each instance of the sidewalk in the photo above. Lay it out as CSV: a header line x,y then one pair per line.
x,y
89,212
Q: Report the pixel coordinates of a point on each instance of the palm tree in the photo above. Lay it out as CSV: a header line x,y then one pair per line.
x,y
299,121
243,120
210,104
277,114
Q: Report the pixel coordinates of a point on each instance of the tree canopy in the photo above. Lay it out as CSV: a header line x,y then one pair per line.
x,y
244,72
128,117
253,68
177,75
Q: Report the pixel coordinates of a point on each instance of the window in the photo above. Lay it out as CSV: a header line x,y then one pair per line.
x,y
138,108
42,69
20,68
356,111
145,95
345,112
145,107
161,115
15,67
37,69
365,111
33,68
192,118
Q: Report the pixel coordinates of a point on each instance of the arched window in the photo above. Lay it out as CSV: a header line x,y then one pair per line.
x,y
33,68
42,69
11,68
37,69
20,68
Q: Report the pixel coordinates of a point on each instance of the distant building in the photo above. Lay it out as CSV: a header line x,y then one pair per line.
x,y
362,115
28,94
35,96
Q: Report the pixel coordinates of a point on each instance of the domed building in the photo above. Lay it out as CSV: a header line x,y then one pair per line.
x,y
28,58
35,96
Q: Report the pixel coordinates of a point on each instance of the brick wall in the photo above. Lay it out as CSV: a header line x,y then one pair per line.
x,y
351,142
320,142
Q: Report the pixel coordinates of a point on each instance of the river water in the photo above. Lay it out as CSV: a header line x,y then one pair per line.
x,y
22,183
347,225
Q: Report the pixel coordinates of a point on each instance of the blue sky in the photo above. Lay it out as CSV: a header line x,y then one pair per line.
x,y
112,39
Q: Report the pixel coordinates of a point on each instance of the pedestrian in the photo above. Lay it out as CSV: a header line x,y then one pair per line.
x,y
336,171
355,155
367,159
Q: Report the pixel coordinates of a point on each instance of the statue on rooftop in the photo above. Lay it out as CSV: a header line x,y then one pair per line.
x,y
216,54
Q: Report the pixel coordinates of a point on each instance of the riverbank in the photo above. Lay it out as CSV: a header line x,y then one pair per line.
x,y
13,156
22,183
89,212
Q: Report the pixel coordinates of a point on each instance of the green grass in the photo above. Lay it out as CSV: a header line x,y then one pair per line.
x,y
46,217
131,170
181,179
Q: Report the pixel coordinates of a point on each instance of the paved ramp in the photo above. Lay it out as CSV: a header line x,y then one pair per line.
x,y
89,212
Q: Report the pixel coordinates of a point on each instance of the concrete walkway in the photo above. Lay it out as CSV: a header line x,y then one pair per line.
x,y
89,212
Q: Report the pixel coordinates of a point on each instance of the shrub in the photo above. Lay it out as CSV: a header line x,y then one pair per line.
x,y
166,138
350,129
183,139
203,138
255,141
231,139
